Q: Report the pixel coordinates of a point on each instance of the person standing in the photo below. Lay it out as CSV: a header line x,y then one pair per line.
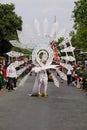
x,y
1,78
12,76
69,75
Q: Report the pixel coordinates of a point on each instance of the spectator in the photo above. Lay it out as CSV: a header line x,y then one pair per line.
x,y
12,76
74,77
69,74
5,75
1,78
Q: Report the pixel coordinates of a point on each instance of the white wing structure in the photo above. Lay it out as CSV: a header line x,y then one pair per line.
x,y
15,43
67,66
68,58
67,49
56,82
14,54
62,75
45,67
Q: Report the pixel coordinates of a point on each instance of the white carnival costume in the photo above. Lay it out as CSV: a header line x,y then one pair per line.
x,y
42,57
40,85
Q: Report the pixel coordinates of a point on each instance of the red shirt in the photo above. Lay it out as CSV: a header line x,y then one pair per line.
x,y
4,72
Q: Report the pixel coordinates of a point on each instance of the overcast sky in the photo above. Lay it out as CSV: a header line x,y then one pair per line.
x,y
36,13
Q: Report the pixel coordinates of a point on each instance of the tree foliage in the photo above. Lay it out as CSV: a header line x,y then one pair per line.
x,y
5,46
9,23
79,37
60,40
22,50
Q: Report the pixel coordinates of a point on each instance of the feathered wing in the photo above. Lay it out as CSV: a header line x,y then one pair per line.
x,y
56,81
62,75
22,82
36,85
38,69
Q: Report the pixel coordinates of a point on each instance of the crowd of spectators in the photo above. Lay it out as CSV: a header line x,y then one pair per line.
x,y
79,77
9,75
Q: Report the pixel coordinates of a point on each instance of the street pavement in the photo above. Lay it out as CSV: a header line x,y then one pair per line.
x,y
65,108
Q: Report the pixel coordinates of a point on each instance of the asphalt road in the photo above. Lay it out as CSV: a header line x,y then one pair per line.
x,y
65,108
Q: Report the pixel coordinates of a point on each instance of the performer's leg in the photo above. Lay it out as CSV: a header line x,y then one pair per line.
x,y
39,93
45,89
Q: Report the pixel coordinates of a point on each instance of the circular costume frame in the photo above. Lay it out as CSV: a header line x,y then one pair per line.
x,y
42,53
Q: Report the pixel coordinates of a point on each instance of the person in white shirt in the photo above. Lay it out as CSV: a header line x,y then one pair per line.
x,y
12,76
69,75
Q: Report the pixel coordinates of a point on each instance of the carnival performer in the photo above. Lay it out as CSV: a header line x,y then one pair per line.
x,y
40,85
42,64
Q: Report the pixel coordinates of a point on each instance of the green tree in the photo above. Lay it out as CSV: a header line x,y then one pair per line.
x,y
57,44
60,40
22,50
9,24
79,37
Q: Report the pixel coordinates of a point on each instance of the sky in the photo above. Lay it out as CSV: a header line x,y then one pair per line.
x,y
43,19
